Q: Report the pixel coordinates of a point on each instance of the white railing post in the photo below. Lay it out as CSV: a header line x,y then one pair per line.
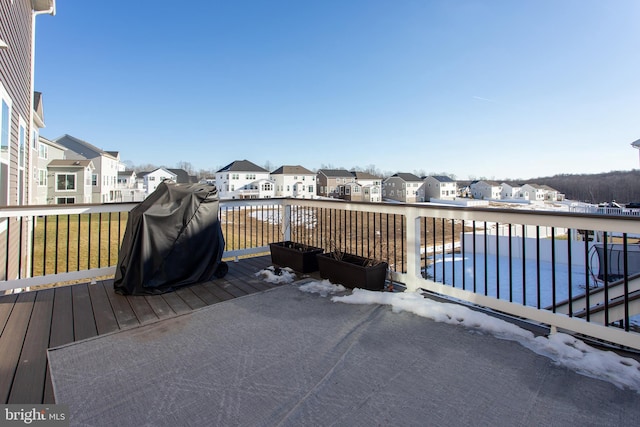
x,y
413,250
286,221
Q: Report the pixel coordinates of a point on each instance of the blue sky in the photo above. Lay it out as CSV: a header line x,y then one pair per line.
x,y
494,89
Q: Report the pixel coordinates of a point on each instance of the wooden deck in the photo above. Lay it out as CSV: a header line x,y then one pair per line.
x,y
31,322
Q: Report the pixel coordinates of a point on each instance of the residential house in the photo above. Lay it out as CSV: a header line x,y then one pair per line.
x,y
183,177
69,181
552,195
294,181
47,152
130,188
35,189
485,190
151,179
533,192
18,121
18,124
371,186
511,191
332,182
440,187
243,179
403,187
107,165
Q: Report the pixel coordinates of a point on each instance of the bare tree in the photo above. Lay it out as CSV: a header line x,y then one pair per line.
x,y
187,166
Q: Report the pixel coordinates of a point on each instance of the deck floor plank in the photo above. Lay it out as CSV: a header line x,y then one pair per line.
x,y
160,306
12,340
32,367
215,288
122,309
84,323
204,294
176,303
62,318
192,300
103,312
31,322
61,331
6,306
228,286
142,309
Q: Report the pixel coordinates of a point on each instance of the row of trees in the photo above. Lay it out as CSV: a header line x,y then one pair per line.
x,y
620,186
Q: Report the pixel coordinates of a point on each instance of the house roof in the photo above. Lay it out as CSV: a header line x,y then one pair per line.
x,y
409,177
44,6
79,149
183,177
292,170
49,142
37,109
442,178
491,183
336,173
145,173
363,175
126,173
242,166
70,163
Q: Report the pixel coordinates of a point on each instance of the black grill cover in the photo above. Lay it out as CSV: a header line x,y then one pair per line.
x,y
173,238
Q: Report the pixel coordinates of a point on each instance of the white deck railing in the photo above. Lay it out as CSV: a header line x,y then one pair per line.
x,y
534,265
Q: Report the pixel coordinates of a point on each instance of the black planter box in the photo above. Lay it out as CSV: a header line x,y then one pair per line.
x,y
299,257
353,271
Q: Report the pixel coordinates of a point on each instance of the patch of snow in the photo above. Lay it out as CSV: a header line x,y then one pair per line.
x,y
324,288
277,275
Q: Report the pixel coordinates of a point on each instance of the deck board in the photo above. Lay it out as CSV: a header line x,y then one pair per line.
x,y
143,311
84,323
32,366
12,340
192,300
176,303
160,307
6,306
31,322
122,310
105,319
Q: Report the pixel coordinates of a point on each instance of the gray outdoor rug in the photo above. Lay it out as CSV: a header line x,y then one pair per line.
x,y
284,357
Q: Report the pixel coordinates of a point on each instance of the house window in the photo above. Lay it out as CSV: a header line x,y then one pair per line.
x,y
5,126
152,178
65,182
65,200
43,151
94,179
42,177
22,148
311,189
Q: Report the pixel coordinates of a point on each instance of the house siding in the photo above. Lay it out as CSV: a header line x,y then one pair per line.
x,y
15,64
16,80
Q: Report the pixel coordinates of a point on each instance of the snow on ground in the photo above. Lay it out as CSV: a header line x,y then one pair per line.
x,y
304,217
277,275
563,349
323,288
